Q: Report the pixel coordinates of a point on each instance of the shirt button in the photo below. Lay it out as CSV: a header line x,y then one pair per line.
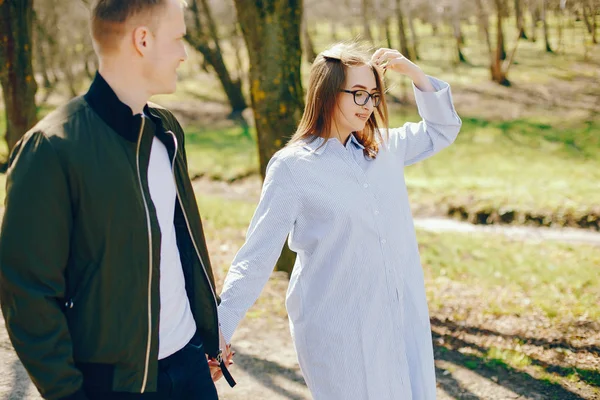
x,y
383,241
376,212
366,185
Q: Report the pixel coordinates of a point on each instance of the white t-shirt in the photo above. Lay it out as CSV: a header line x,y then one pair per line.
x,y
177,325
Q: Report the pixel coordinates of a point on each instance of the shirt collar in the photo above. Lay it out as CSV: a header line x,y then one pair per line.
x,y
355,141
317,144
118,115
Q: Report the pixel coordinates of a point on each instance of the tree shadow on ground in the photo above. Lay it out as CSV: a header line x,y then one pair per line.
x,y
498,371
542,342
264,371
453,387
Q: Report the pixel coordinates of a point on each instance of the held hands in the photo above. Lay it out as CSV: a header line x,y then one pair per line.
x,y
390,59
213,364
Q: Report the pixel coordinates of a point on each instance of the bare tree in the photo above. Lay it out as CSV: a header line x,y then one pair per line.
x,y
535,16
545,26
413,32
387,22
458,36
307,44
64,57
203,37
590,10
520,19
16,75
402,31
366,19
42,57
483,22
498,74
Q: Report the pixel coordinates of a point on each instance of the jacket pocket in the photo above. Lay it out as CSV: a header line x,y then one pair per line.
x,y
78,290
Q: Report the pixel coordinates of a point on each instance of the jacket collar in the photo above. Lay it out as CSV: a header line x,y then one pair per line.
x,y
118,115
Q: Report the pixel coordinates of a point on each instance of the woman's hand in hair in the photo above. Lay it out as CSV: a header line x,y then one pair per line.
x,y
393,60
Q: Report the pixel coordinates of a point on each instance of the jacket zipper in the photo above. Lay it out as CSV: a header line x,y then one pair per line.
x,y
188,223
149,227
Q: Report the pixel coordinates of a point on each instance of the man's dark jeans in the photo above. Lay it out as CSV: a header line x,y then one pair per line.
x,y
183,375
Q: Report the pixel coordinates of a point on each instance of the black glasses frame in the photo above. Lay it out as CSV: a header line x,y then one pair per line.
x,y
375,97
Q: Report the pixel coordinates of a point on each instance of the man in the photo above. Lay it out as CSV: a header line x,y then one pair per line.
x,y
105,280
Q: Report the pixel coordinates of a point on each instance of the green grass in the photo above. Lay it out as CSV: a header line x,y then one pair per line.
x,y
521,165
558,280
219,214
224,154
502,357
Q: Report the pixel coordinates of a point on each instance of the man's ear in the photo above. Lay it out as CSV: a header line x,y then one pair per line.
x,y
142,40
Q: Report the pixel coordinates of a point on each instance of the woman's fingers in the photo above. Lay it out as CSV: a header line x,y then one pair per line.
x,y
388,58
378,53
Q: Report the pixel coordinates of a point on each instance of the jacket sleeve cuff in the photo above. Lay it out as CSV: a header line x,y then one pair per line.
x,y
78,395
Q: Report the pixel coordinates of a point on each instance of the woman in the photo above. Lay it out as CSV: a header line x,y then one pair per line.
x,y
356,299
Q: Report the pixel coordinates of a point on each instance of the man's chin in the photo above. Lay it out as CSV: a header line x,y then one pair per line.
x,y
166,89
171,89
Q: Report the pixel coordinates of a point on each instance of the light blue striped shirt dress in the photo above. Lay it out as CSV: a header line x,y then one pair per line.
x,y
356,298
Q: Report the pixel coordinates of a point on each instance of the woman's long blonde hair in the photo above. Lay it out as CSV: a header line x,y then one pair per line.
x,y
327,77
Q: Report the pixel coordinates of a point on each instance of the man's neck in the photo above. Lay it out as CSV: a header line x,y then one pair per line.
x,y
124,87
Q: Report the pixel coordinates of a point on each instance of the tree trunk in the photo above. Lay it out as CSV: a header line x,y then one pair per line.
x,y
545,25
16,75
198,38
498,74
413,33
66,67
402,31
272,33
511,58
366,19
594,19
333,31
534,11
500,34
388,32
42,64
520,21
483,19
589,17
458,36
307,44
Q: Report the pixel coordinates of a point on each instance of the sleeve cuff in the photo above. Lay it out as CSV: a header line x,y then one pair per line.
x,y
227,322
436,107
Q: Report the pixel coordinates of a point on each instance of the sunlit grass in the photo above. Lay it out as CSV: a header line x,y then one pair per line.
x,y
558,280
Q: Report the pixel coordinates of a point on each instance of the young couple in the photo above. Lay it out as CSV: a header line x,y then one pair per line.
x,y
105,280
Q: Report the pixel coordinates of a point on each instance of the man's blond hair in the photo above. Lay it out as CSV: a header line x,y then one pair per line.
x,y
110,19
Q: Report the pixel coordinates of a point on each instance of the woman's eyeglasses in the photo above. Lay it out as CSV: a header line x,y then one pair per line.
x,y
361,97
